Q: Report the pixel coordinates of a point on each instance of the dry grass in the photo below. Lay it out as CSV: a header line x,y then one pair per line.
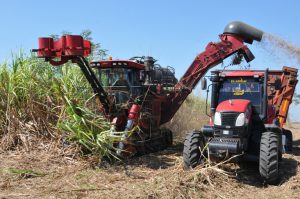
x,y
158,175
190,116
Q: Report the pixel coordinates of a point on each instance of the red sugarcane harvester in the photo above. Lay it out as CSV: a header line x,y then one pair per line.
x,y
139,92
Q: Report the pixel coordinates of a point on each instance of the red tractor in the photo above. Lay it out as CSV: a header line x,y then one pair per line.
x,y
248,110
138,91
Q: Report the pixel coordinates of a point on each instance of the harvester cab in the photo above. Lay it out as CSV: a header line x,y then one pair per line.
x,y
248,110
126,80
120,79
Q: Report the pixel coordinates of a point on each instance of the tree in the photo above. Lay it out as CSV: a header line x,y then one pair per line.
x,y
98,53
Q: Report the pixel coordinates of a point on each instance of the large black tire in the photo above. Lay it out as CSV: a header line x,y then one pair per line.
x,y
193,145
268,157
288,140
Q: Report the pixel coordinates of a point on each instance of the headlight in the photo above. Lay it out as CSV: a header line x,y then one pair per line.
x,y
217,120
240,120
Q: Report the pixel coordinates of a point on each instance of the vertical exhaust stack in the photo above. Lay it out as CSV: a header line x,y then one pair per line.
x,y
246,32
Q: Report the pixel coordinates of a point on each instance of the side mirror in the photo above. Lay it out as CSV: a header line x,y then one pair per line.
x,y
277,84
203,83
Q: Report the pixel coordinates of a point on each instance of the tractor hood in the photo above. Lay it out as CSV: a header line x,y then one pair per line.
x,y
235,105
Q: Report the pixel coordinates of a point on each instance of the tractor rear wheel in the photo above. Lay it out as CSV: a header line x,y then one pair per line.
x,y
268,157
193,149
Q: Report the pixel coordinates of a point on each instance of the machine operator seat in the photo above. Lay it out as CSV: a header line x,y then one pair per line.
x,y
121,90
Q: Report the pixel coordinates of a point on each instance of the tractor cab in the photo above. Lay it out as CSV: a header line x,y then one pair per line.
x,y
234,92
238,101
243,85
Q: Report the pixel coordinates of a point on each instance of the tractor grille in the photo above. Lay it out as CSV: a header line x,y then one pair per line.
x,y
229,118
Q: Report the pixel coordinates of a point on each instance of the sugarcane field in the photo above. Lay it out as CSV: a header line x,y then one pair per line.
x,y
149,100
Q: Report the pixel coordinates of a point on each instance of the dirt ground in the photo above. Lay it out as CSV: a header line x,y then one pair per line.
x,y
50,174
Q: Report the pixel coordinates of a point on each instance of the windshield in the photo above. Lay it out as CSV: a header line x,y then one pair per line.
x,y
242,88
120,79
108,77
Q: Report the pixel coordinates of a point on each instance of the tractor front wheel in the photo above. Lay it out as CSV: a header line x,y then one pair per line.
x,y
268,157
193,151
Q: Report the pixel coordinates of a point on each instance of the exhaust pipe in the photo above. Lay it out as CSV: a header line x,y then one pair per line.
x,y
246,32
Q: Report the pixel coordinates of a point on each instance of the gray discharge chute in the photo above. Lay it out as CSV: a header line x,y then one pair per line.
x,y
245,31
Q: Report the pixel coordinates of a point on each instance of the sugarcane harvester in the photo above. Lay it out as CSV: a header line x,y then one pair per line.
x,y
139,92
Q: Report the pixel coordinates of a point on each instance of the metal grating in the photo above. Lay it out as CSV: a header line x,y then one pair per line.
x,y
229,118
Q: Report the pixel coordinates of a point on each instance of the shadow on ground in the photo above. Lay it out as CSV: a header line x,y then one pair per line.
x,y
159,160
248,172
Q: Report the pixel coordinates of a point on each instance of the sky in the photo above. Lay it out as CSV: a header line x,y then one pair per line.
x,y
172,31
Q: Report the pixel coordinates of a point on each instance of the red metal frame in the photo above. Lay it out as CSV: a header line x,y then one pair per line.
x,y
117,64
284,96
241,73
65,48
214,54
